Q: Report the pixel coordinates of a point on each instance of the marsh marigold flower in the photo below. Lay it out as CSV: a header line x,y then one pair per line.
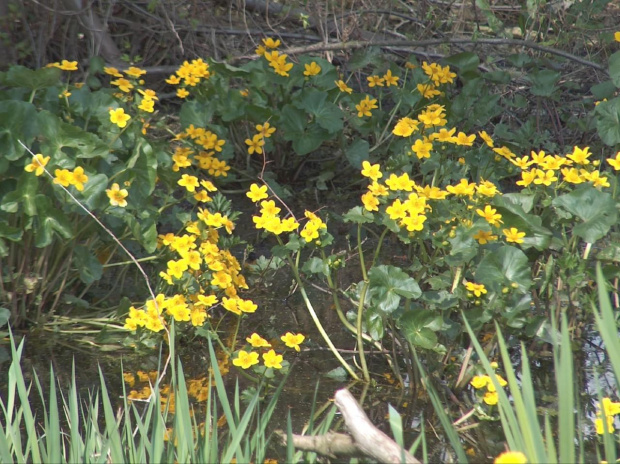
x,y
272,359
372,171
119,117
38,164
311,69
257,193
343,87
117,195
365,106
511,457
293,341
245,360
513,235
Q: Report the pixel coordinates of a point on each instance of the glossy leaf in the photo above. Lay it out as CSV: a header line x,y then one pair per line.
x,y
596,209
504,266
87,264
388,284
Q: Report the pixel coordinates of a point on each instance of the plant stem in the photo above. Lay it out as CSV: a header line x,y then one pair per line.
x,y
314,316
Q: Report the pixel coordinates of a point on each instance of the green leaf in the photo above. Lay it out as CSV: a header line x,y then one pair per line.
x,y
596,209
388,284
463,247
374,324
544,82
94,191
20,76
326,114
466,61
608,121
5,314
511,207
197,113
88,265
316,265
504,266
59,134
9,232
27,188
359,215
358,152
614,68
422,336
50,220
18,121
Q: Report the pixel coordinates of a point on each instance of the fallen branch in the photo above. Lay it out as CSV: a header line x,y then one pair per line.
x,y
364,439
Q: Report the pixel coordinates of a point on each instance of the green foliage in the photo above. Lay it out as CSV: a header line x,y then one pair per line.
x,y
96,429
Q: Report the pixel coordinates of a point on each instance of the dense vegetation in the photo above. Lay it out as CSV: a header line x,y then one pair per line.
x,y
451,208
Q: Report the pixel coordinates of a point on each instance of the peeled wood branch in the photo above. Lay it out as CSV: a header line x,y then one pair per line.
x,y
364,439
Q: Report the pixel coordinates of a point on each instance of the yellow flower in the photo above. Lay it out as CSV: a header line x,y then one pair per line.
x,y
465,140
580,156
119,117
147,104
484,236
422,148
68,65
63,177
270,43
111,71
527,177
370,202
38,164
513,235
312,69
487,138
256,144
245,360
490,398
490,215
182,93
173,80
122,84
265,130
615,162
293,341
117,195
257,193
257,341
545,177
343,87
511,457
405,127
375,81
390,79
477,289
79,178
189,182
272,359
371,171
132,71
480,381
363,107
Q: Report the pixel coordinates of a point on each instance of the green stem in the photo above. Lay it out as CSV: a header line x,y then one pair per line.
x,y
314,316
360,341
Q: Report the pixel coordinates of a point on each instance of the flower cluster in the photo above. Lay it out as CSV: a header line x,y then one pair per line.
x,y
480,382
278,62
201,145
257,142
365,106
64,177
605,416
247,359
64,65
189,74
574,168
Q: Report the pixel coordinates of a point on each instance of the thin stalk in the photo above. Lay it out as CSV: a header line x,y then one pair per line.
x,y
315,318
